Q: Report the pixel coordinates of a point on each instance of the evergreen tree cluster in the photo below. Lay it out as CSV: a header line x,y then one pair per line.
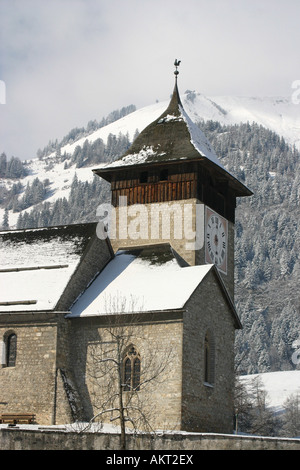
x,y
78,132
253,414
12,168
98,152
34,194
267,261
80,206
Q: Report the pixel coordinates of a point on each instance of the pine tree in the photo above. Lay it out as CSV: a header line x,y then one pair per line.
x,y
5,224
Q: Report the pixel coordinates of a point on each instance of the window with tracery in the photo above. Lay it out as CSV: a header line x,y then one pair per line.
x,y
131,370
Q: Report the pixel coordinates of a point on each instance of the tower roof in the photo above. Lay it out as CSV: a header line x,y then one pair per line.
x,y
173,137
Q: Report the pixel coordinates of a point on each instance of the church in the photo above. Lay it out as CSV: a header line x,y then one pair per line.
x,y
133,314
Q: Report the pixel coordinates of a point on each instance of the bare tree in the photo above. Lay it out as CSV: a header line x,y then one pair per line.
x,y
242,406
252,409
291,417
123,370
263,421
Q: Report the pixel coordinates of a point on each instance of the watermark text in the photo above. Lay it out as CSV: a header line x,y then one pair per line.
x,y
296,93
296,353
159,221
2,92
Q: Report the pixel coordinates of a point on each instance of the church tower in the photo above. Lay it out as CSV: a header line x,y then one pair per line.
x,y
171,187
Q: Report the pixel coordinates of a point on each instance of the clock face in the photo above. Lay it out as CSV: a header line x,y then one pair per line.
x,y
216,240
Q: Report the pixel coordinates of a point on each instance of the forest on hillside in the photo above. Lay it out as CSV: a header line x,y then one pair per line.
x,y
267,263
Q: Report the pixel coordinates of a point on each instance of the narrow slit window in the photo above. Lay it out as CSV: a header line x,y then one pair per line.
x,y
206,360
209,359
11,350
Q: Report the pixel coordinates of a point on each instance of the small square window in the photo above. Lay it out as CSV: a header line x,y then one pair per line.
x,y
144,177
163,175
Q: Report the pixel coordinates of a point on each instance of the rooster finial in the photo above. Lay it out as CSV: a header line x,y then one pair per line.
x,y
176,63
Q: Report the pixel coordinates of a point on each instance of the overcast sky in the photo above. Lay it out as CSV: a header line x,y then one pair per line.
x,y
65,62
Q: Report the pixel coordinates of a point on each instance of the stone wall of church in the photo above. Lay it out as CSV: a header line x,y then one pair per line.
x,y
158,341
55,439
30,385
208,394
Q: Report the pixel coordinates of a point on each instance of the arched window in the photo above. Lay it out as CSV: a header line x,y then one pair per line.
x,y
11,350
131,370
209,359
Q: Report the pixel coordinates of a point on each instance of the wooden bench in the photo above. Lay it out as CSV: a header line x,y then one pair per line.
x,y
17,418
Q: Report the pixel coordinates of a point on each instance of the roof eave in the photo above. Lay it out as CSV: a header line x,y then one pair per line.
x,y
240,189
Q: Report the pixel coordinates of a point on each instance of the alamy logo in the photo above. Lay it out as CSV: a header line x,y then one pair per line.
x,y
161,221
2,92
296,94
296,354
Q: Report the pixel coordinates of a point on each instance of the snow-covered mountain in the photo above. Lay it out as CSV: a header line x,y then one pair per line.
x,y
277,114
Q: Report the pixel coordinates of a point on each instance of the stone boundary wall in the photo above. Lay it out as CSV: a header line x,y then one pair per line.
x,y
47,439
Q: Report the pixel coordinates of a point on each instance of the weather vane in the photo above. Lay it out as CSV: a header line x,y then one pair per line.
x,y
176,63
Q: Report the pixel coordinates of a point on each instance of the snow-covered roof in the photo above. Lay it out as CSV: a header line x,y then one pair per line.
x,y
150,153
173,136
140,280
37,264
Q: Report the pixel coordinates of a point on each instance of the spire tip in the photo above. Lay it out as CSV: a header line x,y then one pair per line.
x,y
176,63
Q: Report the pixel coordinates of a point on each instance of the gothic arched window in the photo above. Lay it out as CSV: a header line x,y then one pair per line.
x,y
11,350
131,370
209,358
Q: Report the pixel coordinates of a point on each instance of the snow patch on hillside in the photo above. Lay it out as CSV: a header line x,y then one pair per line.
x,y
278,114
278,385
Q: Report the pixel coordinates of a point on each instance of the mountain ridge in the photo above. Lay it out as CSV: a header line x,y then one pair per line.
x,y
278,114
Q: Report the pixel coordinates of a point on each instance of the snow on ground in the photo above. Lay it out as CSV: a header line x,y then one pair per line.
x,y
278,385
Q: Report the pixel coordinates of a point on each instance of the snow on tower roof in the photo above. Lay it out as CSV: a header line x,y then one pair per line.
x,y
171,137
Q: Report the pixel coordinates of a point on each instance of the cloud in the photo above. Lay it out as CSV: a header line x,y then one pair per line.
x,y
65,62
